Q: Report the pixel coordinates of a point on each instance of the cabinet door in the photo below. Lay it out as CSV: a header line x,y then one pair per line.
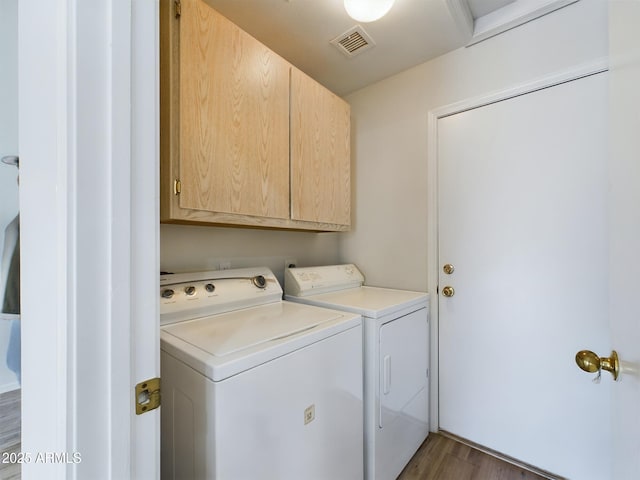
x,y
234,118
320,153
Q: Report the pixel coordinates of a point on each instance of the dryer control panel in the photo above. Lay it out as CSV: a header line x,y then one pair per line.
x,y
300,282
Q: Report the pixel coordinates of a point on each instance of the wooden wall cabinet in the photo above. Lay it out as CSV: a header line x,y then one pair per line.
x,y
245,138
320,153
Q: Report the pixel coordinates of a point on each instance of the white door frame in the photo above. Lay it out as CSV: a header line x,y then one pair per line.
x,y
583,70
624,231
88,75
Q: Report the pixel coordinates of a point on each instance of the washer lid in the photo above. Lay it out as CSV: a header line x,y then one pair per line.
x,y
223,345
371,302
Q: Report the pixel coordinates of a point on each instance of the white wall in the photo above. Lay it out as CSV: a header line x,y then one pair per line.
x,y
8,146
389,132
190,248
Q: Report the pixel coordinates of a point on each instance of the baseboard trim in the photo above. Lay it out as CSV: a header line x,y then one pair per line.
x,y
9,387
506,458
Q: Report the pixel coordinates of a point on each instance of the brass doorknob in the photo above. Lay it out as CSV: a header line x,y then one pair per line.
x,y
448,269
590,362
448,291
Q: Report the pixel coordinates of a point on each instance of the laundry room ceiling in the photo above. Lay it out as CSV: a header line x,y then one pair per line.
x,y
413,32
301,31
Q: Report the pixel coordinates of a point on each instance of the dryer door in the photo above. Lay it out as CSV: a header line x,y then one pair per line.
x,y
403,391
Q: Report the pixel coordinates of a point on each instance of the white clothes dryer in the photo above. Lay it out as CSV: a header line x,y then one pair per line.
x,y
396,359
254,387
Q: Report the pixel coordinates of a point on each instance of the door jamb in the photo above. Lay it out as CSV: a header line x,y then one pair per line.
x,y
88,133
580,71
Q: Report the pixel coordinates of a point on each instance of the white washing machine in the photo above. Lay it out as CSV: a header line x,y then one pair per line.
x,y
254,387
396,349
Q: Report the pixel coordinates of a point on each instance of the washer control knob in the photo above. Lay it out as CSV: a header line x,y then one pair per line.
x,y
210,287
259,281
167,293
190,290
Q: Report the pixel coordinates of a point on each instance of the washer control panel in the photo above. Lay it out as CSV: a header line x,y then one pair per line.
x,y
187,296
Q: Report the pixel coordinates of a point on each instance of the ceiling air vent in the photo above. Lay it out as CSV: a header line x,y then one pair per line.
x,y
353,42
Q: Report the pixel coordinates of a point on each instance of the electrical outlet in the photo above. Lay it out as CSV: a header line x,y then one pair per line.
x,y
290,262
309,414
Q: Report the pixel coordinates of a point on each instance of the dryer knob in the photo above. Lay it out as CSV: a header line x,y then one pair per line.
x,y
210,287
167,293
190,290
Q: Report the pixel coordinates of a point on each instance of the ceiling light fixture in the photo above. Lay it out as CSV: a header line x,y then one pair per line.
x,y
367,10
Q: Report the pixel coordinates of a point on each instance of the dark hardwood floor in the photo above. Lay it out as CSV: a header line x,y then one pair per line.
x,y
441,458
9,433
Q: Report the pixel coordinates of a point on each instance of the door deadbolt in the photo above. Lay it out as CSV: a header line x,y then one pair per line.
x,y
448,269
448,291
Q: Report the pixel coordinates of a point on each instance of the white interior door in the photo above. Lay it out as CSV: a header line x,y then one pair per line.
x,y
522,217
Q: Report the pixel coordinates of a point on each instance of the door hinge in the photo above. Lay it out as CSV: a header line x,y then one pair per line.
x,y
177,187
178,8
147,395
